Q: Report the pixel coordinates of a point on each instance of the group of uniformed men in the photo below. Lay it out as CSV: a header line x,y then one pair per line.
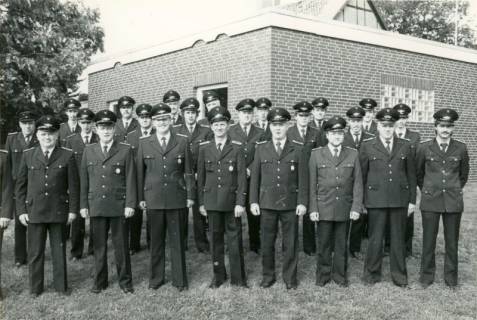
x,y
347,179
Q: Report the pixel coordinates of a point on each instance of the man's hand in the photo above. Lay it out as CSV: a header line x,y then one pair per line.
x,y
353,215
238,211
4,222
203,211
128,212
248,173
255,209
300,210
190,203
410,209
365,211
24,219
84,213
71,217
142,205
314,216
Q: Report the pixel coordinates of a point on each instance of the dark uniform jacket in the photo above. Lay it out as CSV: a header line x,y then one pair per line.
x,y
47,190
413,137
75,143
120,132
322,141
108,183
336,185
279,182
133,138
179,120
349,139
312,139
441,176
200,134
15,145
6,187
389,179
165,177
65,132
267,135
373,128
248,142
221,177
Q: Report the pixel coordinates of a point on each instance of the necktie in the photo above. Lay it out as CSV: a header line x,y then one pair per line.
x,y
126,124
356,139
27,139
303,134
163,143
219,147
279,148
388,146
263,125
191,129
47,154
85,140
144,133
320,123
105,150
245,129
335,150
443,147
400,135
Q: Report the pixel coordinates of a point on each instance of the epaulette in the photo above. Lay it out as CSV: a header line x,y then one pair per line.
x,y
71,135
144,137
371,134
317,148
29,149
66,149
261,142
3,151
204,125
351,148
131,132
368,139
182,135
12,133
124,143
177,125
203,143
298,142
234,124
426,141
237,142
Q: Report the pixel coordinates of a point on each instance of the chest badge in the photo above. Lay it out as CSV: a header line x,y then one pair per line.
x,y
231,168
118,171
292,168
179,160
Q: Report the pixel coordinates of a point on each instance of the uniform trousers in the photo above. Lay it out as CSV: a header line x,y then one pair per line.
x,y
357,232
200,226
78,232
408,236
135,228
20,246
309,234
254,228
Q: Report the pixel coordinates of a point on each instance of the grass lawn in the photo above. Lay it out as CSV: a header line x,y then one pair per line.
x,y
358,301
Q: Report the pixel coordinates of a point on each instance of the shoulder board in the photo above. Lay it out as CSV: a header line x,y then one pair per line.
x,y
261,142
298,142
234,124
144,137
371,134
350,148
424,141
71,135
368,139
29,149
203,125
407,139
131,132
66,148
182,135
12,133
317,148
237,142
177,125
3,151
203,143
125,144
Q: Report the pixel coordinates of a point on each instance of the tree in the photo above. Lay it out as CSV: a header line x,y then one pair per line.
x,y
44,47
432,20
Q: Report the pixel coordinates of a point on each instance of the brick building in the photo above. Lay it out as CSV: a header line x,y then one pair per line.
x,y
290,56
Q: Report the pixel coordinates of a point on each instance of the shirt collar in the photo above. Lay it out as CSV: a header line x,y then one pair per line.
x,y
440,141
167,136
384,141
50,150
108,145
282,142
332,148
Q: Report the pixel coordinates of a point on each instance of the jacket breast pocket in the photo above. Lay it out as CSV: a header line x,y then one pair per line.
x,y
210,166
454,162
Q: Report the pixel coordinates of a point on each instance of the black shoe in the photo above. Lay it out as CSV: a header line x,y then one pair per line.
x,y
203,250
255,249
133,252
65,293
19,264
401,285
356,255
425,285
310,252
157,286
75,259
35,295
97,290
291,286
267,284
127,289
322,283
215,284
182,288
1,294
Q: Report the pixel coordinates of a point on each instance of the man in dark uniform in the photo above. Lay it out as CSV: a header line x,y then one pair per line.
x,y
353,139
127,123
279,192
320,106
248,134
145,129
47,196
70,107
210,100
369,124
262,107
196,134
6,198
414,138
336,197
15,144
222,191
310,137
173,99
77,143
108,197
164,164
389,178
442,172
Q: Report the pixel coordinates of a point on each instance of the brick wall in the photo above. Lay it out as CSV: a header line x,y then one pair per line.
x,y
305,66
289,66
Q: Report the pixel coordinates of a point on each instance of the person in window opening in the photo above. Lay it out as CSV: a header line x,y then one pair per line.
x,y
211,100
173,100
127,123
262,107
369,125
